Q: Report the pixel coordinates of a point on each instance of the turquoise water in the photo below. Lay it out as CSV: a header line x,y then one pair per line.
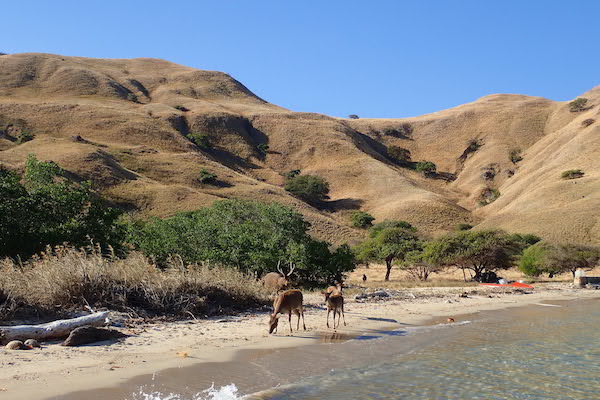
x,y
527,353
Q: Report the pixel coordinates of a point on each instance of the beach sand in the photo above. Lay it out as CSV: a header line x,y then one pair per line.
x,y
55,370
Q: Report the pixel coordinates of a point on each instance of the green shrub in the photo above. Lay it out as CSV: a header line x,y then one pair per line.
x,y
361,219
263,148
353,116
426,167
399,154
463,227
572,174
515,156
132,97
587,122
44,208
201,140
405,130
473,145
24,136
292,174
488,196
206,177
247,235
578,104
310,188
181,108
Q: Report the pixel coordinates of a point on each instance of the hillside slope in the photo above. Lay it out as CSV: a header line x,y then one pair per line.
x,y
123,124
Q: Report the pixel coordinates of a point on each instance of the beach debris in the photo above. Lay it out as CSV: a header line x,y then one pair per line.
x,y
91,334
376,294
450,320
182,354
16,345
32,343
464,295
55,329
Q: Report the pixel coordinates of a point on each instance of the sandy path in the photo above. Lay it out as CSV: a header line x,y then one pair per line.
x,y
55,370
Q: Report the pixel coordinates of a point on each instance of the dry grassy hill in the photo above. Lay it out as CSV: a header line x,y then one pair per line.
x,y
123,125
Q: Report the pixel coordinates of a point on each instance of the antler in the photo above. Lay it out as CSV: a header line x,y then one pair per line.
x,y
279,269
292,268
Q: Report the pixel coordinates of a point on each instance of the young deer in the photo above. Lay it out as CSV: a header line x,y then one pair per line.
x,y
335,302
287,302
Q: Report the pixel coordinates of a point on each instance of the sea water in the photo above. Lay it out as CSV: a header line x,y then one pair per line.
x,y
537,352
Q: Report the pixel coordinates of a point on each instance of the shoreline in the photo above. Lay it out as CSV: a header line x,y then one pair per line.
x,y
57,372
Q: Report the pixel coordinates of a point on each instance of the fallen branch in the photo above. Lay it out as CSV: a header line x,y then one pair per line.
x,y
51,330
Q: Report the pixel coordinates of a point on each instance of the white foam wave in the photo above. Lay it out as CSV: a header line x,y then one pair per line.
x,y
228,392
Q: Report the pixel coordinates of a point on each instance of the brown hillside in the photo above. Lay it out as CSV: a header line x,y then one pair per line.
x,y
123,124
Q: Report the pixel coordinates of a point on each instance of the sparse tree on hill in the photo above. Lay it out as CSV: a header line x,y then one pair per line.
x,y
310,188
361,219
555,259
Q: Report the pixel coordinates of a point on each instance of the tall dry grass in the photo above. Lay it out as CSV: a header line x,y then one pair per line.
x,y
63,280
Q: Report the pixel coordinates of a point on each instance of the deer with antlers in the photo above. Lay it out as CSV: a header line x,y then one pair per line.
x,y
334,299
288,302
277,281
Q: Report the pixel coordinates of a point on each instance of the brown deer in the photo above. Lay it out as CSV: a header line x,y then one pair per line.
x,y
335,302
277,281
287,302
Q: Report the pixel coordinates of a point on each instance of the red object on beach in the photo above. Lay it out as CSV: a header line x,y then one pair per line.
x,y
514,284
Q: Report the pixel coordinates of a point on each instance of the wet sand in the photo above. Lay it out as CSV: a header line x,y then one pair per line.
x,y
192,355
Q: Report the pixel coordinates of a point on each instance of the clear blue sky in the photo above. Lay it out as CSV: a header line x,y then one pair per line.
x,y
372,58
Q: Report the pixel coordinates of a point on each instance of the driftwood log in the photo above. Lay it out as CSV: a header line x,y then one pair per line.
x,y
51,330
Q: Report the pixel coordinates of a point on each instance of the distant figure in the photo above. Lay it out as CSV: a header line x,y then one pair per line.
x,y
364,277
450,320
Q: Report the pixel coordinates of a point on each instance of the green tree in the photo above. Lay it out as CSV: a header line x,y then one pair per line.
x,y
389,245
579,104
377,228
310,188
426,167
555,259
201,140
48,209
361,219
399,154
481,252
207,177
247,235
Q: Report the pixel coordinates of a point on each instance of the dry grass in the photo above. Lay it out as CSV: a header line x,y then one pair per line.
x,y
66,280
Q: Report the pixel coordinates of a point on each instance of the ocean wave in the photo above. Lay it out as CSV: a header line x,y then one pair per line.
x,y
228,392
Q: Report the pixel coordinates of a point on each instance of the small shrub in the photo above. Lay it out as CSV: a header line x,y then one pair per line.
x,y
404,131
399,154
292,174
361,219
572,174
24,136
206,177
515,156
263,148
587,122
353,116
463,227
473,145
488,196
578,104
181,108
132,97
310,188
201,140
426,167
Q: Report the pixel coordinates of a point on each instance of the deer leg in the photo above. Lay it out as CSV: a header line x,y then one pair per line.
x,y
290,320
303,323
328,311
298,315
343,315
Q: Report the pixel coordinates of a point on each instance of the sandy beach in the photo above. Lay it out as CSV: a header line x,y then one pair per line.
x,y
55,370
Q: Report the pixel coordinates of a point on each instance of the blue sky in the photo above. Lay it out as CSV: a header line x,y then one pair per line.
x,y
371,58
